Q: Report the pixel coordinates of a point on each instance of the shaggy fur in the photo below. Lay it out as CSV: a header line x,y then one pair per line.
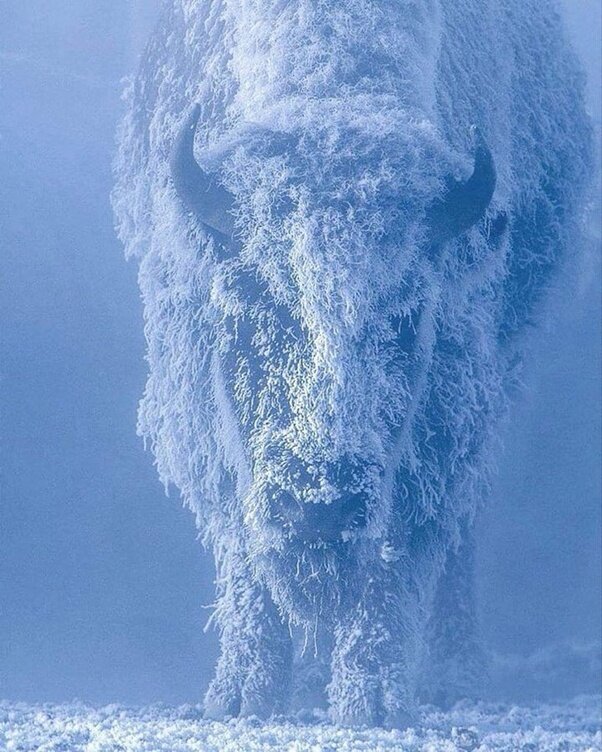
x,y
325,390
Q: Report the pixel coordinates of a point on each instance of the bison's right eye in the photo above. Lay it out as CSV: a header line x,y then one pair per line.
x,y
498,227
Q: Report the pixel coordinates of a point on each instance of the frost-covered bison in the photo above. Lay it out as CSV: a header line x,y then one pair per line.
x,y
345,215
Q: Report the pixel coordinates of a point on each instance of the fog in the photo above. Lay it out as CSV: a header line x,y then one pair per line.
x,y
102,581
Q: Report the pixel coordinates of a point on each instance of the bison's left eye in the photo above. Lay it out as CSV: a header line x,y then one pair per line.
x,y
497,228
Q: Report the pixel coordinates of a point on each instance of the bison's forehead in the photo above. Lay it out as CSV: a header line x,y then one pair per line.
x,y
333,222
341,294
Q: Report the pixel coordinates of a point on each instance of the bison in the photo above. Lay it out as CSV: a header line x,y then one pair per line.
x,y
346,216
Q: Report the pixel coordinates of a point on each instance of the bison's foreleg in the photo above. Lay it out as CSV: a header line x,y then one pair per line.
x,y
374,659
455,664
253,673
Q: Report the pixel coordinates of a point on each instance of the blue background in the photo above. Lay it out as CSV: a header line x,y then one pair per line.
x,y
102,580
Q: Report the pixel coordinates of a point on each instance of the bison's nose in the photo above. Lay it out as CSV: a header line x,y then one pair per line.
x,y
325,520
348,513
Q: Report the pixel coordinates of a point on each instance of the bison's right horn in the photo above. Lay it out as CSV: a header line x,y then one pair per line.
x,y
203,195
465,202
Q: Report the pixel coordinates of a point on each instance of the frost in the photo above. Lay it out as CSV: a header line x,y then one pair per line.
x,y
326,379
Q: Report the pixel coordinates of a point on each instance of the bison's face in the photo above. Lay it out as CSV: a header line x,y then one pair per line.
x,y
317,400
323,336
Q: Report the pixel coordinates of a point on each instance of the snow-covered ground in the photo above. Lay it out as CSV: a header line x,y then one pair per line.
x,y
565,727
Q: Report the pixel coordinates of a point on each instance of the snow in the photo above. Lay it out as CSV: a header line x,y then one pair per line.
x,y
571,726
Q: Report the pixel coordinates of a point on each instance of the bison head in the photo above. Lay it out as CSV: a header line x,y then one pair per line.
x,y
324,289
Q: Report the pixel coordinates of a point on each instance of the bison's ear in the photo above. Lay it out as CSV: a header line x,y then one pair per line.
x,y
211,204
465,202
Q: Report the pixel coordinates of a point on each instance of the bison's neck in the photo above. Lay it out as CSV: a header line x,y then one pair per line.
x,y
300,50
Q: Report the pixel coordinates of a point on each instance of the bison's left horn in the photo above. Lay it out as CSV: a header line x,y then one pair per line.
x,y
200,193
465,202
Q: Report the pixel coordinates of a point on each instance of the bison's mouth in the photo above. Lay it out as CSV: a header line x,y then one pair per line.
x,y
308,577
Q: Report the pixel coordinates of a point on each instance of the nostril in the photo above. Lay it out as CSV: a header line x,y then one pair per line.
x,y
286,508
355,510
343,472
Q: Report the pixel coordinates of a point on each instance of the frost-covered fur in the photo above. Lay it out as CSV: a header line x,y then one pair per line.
x,y
325,390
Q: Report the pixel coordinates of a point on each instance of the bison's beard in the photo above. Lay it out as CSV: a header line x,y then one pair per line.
x,y
310,581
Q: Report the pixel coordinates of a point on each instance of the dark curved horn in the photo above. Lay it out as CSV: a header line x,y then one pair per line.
x,y
199,192
465,203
